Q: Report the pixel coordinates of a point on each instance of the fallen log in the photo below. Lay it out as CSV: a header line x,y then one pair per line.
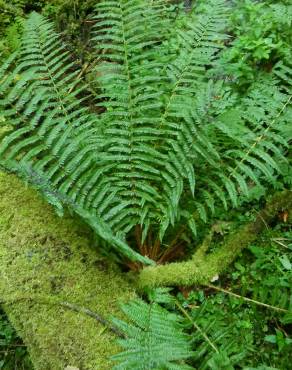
x,y
56,289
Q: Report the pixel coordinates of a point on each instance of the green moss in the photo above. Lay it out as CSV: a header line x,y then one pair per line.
x,y
51,260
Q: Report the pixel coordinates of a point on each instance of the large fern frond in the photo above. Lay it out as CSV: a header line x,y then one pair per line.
x,y
54,139
126,36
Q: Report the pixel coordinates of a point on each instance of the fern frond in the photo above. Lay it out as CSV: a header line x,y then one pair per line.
x,y
154,339
51,143
126,37
251,141
184,141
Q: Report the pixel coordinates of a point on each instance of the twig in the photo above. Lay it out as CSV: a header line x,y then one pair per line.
x,y
72,307
83,70
264,221
280,241
94,315
248,299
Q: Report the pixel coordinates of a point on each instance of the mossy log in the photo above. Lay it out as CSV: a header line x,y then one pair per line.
x,y
204,266
48,269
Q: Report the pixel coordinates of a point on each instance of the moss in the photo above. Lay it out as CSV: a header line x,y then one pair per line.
x,y
203,267
51,259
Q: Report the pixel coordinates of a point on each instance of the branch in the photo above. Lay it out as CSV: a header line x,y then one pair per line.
x,y
202,268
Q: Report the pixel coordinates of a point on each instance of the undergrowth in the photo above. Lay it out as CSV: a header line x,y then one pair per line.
x,y
261,35
241,321
246,335
13,354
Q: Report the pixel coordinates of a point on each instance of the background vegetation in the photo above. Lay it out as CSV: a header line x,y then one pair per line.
x,y
240,334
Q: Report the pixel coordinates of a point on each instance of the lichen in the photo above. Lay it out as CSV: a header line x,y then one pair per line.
x,y
46,258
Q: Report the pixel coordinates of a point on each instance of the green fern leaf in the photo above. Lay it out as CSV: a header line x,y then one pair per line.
x,y
154,339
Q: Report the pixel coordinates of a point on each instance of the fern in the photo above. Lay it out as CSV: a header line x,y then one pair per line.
x,y
170,139
154,339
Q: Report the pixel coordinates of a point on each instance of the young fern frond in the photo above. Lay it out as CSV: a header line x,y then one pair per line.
x,y
171,139
154,339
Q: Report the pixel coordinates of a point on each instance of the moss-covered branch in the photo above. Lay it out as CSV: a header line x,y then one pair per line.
x,y
203,267
44,256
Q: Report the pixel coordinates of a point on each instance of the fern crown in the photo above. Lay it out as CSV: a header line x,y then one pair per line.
x,y
157,138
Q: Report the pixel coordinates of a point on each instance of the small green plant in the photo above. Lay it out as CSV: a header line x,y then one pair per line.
x,y
253,298
153,339
13,354
11,38
261,37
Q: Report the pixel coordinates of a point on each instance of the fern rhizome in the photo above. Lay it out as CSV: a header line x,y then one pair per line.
x,y
145,146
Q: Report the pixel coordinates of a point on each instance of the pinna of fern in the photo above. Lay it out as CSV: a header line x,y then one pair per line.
x,y
171,139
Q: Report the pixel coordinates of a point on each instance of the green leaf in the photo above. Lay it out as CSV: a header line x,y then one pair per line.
x,y
285,262
271,339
